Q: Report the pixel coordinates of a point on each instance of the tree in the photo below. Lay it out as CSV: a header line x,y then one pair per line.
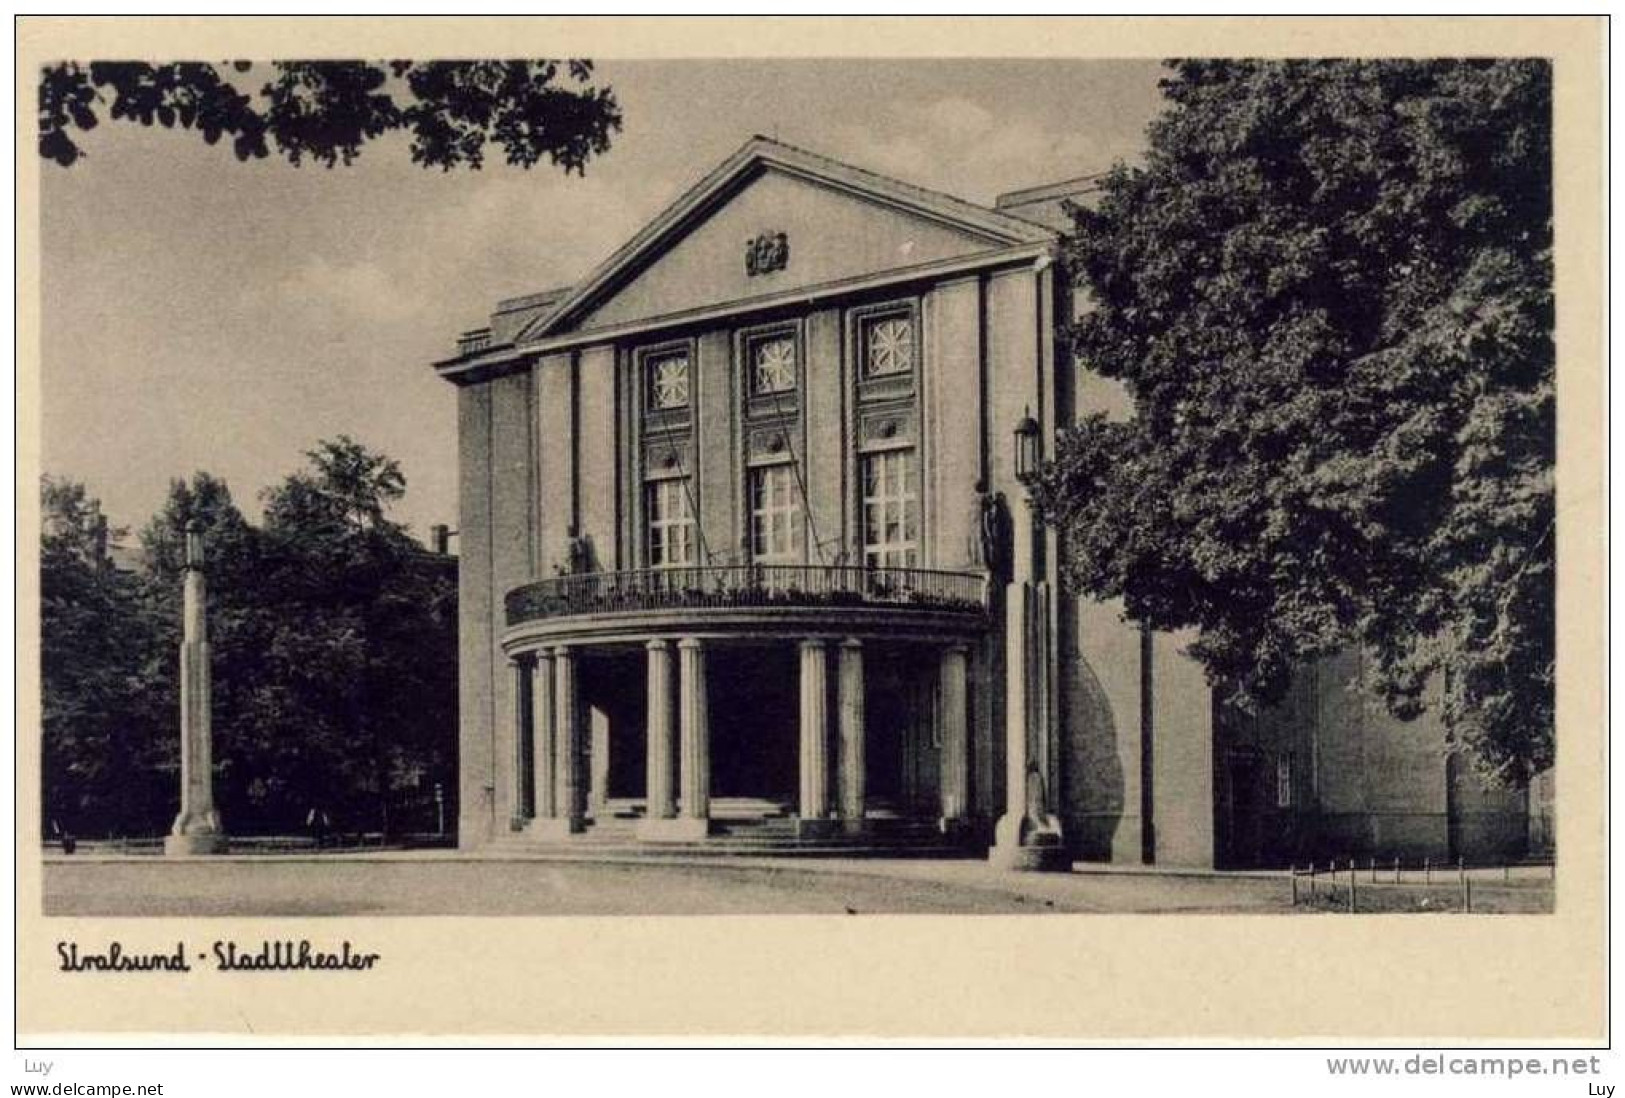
x,y
333,637
365,648
333,649
327,110
97,753
1329,292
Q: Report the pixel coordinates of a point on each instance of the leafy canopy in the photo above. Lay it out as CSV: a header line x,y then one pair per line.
x,y
327,110
1329,293
333,646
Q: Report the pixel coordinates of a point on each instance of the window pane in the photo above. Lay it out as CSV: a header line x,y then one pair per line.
x,y
775,514
773,366
889,509
670,524
668,381
889,347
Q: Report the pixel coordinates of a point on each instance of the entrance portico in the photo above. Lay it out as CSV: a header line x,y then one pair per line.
x,y
714,676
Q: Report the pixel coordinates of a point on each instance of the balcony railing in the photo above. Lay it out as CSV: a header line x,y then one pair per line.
x,y
702,587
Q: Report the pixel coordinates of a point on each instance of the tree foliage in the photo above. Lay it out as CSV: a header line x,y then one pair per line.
x,y
93,667
1329,292
333,649
327,110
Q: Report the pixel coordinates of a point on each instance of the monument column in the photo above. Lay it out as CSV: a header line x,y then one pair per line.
x,y
813,808
952,699
849,703
543,781
197,826
660,796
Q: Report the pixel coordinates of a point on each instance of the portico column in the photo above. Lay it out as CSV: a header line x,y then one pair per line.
x,y
951,709
519,810
694,729
814,803
567,738
661,803
849,690
541,735
690,820
598,722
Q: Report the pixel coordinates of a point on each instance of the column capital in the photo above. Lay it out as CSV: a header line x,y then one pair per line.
x,y
562,650
690,644
658,644
810,643
851,643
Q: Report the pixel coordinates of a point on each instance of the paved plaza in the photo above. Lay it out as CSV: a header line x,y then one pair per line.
x,y
434,884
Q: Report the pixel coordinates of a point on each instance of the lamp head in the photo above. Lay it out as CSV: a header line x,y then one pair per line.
x,y
1028,437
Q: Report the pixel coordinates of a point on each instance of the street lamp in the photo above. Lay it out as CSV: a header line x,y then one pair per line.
x,y
1027,448
1028,835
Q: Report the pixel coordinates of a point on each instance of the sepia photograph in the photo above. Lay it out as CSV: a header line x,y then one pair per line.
x,y
605,488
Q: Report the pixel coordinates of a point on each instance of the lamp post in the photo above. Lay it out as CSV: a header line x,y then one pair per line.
x,y
1028,835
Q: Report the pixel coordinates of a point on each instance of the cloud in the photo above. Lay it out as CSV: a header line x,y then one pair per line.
x,y
364,291
960,146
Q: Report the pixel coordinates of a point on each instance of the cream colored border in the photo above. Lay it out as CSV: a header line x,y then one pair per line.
x,y
1165,979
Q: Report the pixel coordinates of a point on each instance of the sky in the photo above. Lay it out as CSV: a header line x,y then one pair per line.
x,y
204,314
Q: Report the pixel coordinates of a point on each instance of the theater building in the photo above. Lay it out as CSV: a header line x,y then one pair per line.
x,y
745,561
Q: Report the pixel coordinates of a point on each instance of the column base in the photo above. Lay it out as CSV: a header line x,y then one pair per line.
x,y
555,827
1028,845
682,829
185,846
957,828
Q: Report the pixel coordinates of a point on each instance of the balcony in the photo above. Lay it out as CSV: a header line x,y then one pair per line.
x,y
788,587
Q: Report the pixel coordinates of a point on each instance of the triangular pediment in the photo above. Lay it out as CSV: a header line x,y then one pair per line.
x,y
773,220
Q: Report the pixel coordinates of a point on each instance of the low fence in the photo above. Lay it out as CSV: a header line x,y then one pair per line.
x,y
335,843
1340,884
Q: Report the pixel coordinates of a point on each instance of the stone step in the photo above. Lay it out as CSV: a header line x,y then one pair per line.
x,y
713,848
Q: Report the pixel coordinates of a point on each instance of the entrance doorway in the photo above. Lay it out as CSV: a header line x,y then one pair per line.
x,y
1244,804
888,712
755,709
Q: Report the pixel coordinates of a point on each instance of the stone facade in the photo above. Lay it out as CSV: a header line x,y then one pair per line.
x,y
743,540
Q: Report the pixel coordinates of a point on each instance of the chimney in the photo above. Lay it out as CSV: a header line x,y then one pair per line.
x,y
98,537
1046,204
